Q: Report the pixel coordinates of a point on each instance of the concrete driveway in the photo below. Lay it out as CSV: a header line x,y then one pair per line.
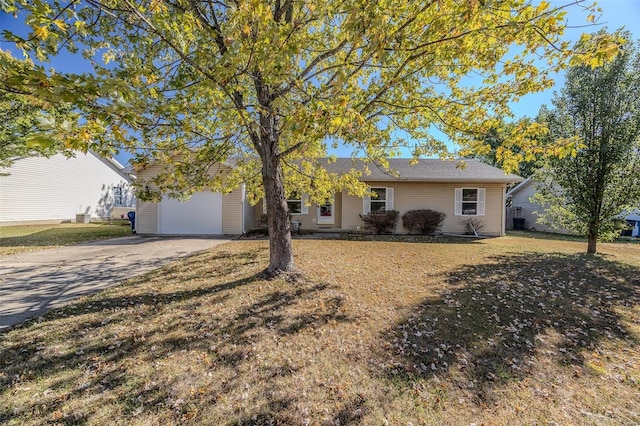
x,y
33,283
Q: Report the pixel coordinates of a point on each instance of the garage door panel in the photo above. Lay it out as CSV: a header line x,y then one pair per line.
x,y
200,214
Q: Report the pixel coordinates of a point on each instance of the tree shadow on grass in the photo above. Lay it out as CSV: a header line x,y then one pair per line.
x,y
414,238
484,330
120,347
29,290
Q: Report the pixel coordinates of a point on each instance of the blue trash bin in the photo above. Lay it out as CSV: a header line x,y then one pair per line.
x,y
132,219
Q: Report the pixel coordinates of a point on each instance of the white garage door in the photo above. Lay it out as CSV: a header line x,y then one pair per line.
x,y
200,214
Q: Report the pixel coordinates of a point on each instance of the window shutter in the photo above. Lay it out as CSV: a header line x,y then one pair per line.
x,y
389,198
366,203
481,198
305,204
457,206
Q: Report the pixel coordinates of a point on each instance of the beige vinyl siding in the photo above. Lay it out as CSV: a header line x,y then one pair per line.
x,y
337,209
149,172
251,214
147,213
146,218
434,196
57,188
441,197
347,208
232,205
351,211
307,220
258,211
232,212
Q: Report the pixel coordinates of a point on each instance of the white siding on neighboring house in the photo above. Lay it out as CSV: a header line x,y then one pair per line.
x,y
522,207
58,188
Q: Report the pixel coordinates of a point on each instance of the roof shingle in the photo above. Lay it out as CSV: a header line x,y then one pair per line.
x,y
426,170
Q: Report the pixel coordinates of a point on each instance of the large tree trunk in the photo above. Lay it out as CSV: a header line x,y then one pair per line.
x,y
280,248
591,245
592,236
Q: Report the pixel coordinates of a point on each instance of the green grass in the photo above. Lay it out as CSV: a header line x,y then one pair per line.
x,y
503,331
19,239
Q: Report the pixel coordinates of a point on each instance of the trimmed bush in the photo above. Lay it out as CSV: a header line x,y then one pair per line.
x,y
422,221
380,222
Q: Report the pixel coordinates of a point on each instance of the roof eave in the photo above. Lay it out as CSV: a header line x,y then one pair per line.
x,y
445,180
517,188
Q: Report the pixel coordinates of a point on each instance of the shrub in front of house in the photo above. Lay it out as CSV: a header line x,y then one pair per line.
x,y
380,222
472,226
423,222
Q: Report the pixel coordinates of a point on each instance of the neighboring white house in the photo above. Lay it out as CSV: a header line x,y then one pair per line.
x,y
56,189
521,207
633,219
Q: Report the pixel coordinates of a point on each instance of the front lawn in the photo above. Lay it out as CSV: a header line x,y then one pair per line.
x,y
498,332
19,239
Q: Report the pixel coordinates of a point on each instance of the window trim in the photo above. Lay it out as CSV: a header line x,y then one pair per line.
x,y
481,196
304,208
389,199
118,196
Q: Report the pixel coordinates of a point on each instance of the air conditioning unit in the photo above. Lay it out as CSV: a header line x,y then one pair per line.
x,y
83,218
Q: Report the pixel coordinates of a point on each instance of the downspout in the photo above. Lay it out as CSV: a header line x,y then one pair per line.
x,y
503,231
243,196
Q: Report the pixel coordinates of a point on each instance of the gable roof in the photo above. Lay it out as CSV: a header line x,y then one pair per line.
x,y
425,170
519,186
113,164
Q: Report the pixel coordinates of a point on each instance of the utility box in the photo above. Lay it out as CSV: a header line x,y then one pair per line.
x,y
83,218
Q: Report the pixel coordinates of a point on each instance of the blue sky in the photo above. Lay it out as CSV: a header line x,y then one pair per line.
x,y
615,14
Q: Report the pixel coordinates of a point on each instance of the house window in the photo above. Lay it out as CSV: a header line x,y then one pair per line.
x,y
381,199
297,203
469,201
117,196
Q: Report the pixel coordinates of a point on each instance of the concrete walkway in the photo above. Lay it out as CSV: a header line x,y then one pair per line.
x,y
33,283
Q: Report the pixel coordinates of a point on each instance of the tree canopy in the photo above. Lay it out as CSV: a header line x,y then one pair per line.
x,y
517,146
277,82
599,108
31,126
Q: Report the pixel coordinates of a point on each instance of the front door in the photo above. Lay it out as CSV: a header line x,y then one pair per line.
x,y
326,215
